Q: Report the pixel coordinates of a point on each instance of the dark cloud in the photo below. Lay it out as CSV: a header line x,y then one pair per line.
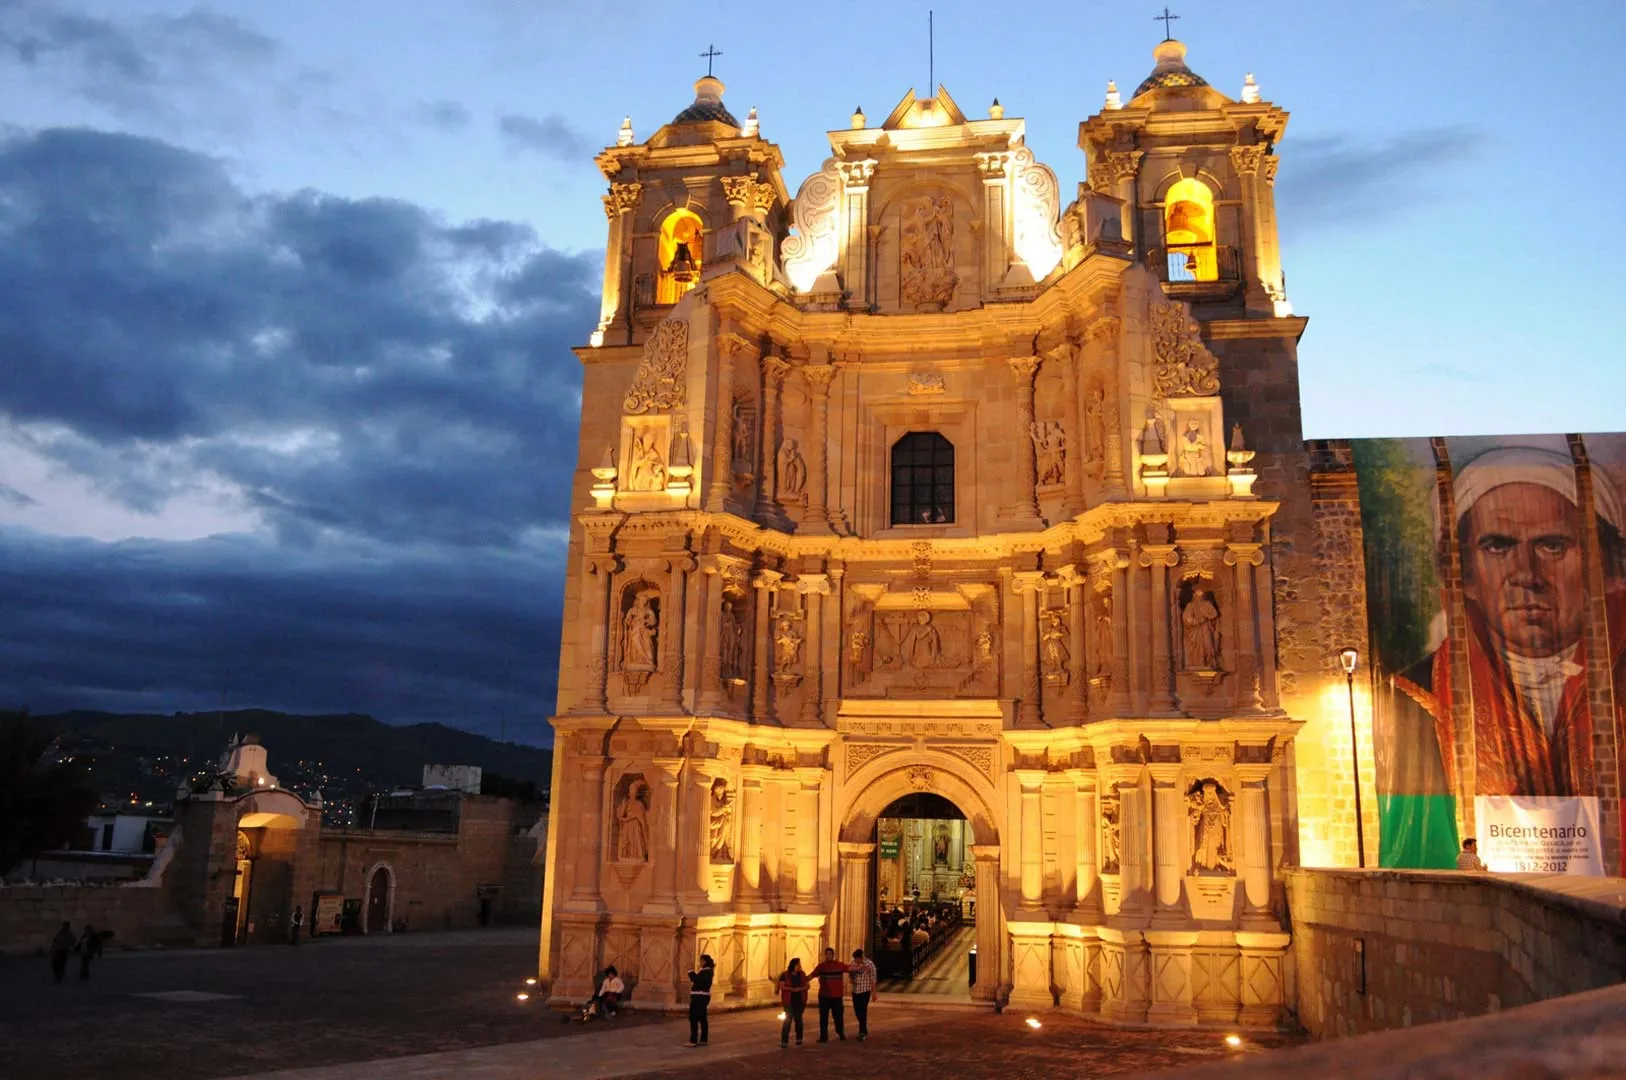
x,y
446,116
162,627
1332,179
551,136
132,66
11,496
394,394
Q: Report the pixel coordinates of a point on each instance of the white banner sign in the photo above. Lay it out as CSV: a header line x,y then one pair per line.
x,y
1521,834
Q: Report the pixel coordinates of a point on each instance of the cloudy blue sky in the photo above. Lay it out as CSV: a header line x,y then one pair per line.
x,y
287,290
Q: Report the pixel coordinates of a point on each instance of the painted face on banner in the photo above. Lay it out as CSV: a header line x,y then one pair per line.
x,y
1521,557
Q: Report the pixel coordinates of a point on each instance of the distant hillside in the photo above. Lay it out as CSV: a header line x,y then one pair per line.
x,y
356,752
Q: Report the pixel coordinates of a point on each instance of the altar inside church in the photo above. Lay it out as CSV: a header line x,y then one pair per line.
x,y
923,855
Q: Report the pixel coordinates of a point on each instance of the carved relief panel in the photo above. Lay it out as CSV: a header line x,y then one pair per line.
x,y
919,639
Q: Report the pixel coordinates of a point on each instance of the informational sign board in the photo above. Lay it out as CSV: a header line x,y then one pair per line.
x,y
889,846
1522,834
328,908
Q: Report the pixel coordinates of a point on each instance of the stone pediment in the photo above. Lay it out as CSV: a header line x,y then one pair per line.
x,y
913,112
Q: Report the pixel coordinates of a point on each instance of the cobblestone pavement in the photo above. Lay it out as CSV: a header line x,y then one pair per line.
x,y
349,999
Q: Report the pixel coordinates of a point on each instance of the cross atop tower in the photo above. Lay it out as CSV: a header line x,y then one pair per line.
x,y
712,53
1166,19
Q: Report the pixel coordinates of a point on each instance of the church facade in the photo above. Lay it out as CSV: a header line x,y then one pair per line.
x,y
931,480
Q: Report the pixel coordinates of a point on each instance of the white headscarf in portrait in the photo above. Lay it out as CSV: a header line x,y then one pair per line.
x,y
1526,465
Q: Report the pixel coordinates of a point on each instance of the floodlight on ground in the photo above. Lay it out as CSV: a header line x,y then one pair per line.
x,y
1234,1041
1033,1023
531,981
522,997
781,1016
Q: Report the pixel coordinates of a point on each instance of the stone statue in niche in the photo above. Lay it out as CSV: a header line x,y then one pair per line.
x,y
1193,451
792,471
1094,433
1209,809
1110,834
1103,632
1050,449
640,631
732,639
921,645
787,643
720,827
1200,630
940,845
743,419
1053,642
857,650
632,822
985,645
647,470
928,276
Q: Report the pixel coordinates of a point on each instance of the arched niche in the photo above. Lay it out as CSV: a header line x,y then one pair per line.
x,y
679,249
1189,230
886,780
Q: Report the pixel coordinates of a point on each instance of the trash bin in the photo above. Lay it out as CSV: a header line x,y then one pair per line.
x,y
971,966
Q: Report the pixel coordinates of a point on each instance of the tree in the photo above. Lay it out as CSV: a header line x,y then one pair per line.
x,y
43,801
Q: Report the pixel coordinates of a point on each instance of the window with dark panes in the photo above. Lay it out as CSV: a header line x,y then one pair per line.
x,y
922,479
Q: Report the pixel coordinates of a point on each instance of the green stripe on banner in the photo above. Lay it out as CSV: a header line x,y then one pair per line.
x,y
1417,832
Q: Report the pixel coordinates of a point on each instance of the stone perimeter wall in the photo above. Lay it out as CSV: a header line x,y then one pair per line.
x,y
1442,945
139,916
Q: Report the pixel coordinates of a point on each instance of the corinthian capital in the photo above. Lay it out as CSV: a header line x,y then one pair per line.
x,y
818,377
1246,159
738,189
1023,367
1114,166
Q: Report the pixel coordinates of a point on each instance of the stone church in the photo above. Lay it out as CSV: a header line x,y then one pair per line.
x,y
931,480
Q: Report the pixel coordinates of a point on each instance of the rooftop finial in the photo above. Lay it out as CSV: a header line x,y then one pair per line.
x,y
751,126
996,111
712,53
1167,20
858,118
1250,89
1114,99
624,136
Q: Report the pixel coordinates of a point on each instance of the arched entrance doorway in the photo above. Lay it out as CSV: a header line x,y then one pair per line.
x,y
924,882
380,899
940,808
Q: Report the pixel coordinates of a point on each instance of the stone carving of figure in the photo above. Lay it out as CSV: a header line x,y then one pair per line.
x,y
1094,434
1103,633
787,644
632,817
732,639
1110,845
792,470
1200,632
648,467
857,644
921,646
640,628
1054,642
1050,449
928,251
742,429
985,645
720,829
1210,812
1193,450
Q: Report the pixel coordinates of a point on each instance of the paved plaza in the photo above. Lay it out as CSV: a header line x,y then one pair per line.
x,y
442,1005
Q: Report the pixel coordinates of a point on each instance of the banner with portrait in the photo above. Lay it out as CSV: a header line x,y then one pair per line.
x,y
1484,565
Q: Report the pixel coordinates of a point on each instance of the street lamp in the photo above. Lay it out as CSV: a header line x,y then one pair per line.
x,y
1347,659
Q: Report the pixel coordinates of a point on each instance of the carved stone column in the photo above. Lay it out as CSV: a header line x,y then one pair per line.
x,y
673,631
1265,612
1261,262
996,246
1158,558
621,200
1072,463
597,580
663,836
1133,850
807,841
1244,557
814,588
1087,904
766,584
1026,584
830,651
853,917
855,177
991,969
698,811
750,894
1253,808
1118,170
1032,854
1122,692
1077,708
773,376
1168,840
737,192
721,481
584,896
816,518
1024,509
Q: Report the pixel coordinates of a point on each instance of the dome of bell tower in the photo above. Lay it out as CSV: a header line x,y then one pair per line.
x,y
1170,71
708,104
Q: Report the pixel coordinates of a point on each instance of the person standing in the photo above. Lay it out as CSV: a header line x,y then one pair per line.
x,y
862,973
700,999
793,997
293,927
832,976
61,946
89,947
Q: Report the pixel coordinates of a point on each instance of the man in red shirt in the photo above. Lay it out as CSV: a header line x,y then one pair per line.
x,y
832,976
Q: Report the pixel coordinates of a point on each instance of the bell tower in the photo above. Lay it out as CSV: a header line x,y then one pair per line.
x,y
671,200
1196,172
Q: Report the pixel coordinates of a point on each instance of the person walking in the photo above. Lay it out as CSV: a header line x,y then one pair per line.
x,y
793,997
862,973
832,976
89,947
293,927
700,999
61,946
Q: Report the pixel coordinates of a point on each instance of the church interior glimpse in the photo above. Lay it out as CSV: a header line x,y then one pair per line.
x,y
924,929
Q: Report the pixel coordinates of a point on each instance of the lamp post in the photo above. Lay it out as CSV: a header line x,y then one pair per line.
x,y
1347,659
